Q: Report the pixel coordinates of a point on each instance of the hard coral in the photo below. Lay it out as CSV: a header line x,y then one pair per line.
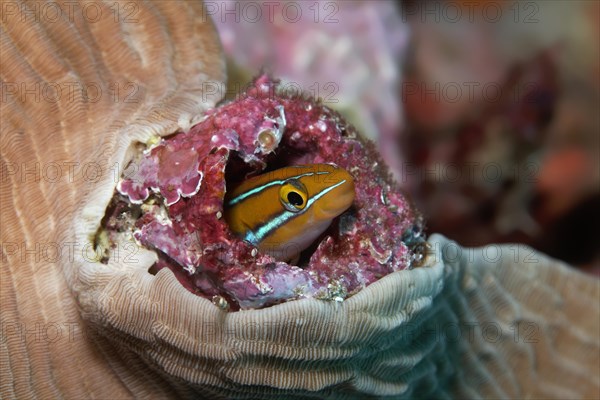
x,y
261,130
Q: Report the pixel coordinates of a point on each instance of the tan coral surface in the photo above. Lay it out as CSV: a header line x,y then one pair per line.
x,y
496,322
142,66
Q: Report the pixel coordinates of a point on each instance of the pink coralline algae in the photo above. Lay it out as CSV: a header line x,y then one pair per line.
x,y
171,199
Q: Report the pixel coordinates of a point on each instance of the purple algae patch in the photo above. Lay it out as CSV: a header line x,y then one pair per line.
x,y
178,188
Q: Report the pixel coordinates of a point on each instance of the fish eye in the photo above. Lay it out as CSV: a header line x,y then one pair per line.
x,y
293,195
295,199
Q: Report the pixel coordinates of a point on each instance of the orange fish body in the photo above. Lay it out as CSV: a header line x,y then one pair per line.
x,y
284,211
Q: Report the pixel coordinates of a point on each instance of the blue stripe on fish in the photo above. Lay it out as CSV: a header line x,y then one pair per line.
x,y
276,222
258,189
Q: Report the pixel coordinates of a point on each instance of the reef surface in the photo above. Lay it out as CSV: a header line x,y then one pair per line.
x,y
170,199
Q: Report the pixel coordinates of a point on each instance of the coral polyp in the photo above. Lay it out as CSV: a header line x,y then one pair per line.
x,y
176,198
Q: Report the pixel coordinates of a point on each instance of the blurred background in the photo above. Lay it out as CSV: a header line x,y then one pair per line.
x,y
487,112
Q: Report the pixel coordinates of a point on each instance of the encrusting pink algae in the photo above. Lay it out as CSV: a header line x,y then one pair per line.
x,y
171,198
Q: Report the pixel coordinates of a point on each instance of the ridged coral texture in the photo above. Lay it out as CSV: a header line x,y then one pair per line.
x,y
80,81
497,322
492,322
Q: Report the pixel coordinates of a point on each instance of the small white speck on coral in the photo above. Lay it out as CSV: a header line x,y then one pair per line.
x,y
322,126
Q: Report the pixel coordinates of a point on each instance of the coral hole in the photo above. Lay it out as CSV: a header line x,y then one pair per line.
x,y
285,155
